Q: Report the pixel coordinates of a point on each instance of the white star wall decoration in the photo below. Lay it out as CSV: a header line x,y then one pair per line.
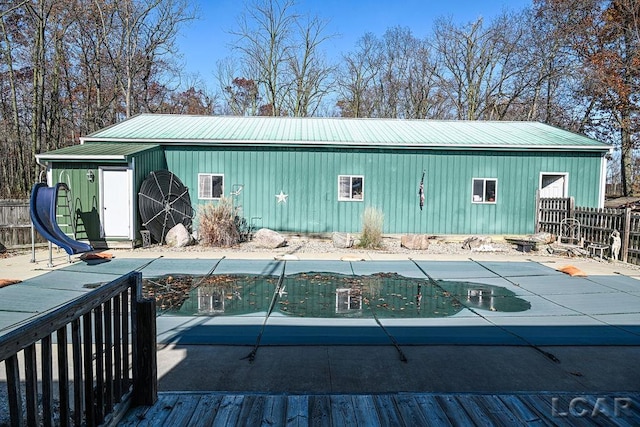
x,y
282,198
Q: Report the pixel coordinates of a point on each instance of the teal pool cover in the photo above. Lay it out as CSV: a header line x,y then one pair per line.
x,y
367,302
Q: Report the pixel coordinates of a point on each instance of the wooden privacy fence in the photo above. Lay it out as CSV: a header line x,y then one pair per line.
x,y
108,365
15,225
596,224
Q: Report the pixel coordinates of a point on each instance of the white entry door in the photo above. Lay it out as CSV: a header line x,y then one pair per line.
x,y
553,185
115,202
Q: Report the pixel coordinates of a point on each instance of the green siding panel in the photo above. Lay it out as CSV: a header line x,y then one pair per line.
x,y
391,177
86,195
143,164
310,179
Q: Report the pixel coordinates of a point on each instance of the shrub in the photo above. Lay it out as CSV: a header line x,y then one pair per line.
x,y
372,220
218,224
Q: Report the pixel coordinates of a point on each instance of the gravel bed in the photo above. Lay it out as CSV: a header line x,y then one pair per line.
x,y
298,244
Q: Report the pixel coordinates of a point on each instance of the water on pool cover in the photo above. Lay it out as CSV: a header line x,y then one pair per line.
x,y
329,295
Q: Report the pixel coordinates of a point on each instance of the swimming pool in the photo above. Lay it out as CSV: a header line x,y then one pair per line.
x,y
328,295
564,310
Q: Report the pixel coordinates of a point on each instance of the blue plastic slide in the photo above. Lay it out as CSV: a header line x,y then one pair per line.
x,y
44,201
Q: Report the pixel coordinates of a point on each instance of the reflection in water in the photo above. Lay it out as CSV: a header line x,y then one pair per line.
x,y
328,295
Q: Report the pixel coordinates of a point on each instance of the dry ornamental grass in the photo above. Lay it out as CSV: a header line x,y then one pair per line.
x,y
372,221
218,224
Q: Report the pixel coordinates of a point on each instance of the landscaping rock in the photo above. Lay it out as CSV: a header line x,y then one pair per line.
x,y
415,241
476,242
543,237
266,238
178,237
342,240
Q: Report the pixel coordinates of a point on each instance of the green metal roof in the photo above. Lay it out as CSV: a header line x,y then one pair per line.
x,y
93,151
396,133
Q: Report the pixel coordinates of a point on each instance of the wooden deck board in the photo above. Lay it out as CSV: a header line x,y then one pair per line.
x,y
525,415
182,412
387,411
496,411
319,411
158,413
252,410
404,409
229,411
274,410
297,411
451,405
365,410
341,411
634,409
411,412
205,412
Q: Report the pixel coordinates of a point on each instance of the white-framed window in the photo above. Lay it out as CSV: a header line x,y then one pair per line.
x,y
484,190
553,184
210,186
348,300
351,187
210,299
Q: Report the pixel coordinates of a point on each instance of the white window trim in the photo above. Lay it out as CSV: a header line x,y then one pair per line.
x,y
210,175
350,198
350,300
484,187
565,190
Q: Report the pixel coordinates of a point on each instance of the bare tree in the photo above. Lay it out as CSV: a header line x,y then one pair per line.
x,y
604,35
14,154
310,76
392,77
397,49
264,41
69,67
146,47
480,73
241,95
281,51
39,14
423,98
356,76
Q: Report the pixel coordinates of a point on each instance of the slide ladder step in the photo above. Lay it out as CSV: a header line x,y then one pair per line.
x,y
65,217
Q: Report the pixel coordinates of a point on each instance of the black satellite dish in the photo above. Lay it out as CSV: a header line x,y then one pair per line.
x,y
164,202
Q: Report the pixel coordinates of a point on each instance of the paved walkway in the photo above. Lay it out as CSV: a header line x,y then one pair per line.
x,y
20,267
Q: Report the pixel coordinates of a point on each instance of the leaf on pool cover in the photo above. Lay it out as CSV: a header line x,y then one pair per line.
x,y
94,255
572,271
7,282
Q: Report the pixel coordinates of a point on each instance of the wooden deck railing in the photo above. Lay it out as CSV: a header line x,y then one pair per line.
x,y
105,351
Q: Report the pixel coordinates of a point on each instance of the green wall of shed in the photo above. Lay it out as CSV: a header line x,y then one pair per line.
x,y
85,197
391,177
86,194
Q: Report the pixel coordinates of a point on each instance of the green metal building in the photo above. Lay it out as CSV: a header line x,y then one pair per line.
x,y
317,175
